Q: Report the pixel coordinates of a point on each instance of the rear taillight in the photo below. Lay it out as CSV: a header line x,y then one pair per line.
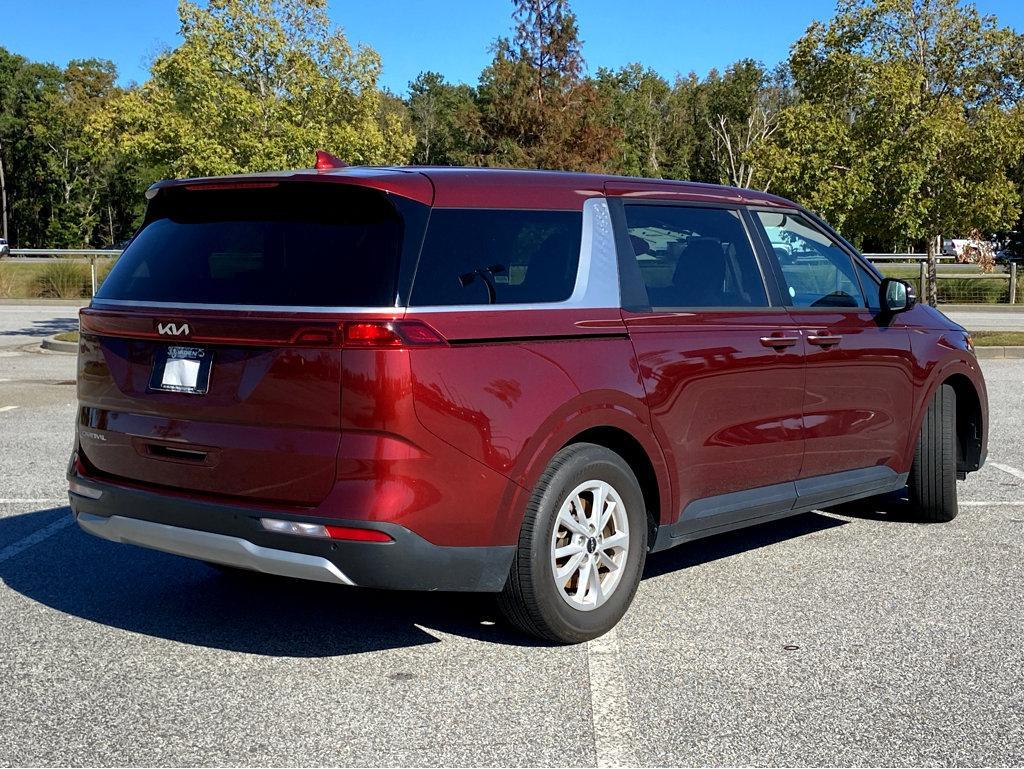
x,y
390,334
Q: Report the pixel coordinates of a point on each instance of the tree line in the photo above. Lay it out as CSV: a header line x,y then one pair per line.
x,y
897,120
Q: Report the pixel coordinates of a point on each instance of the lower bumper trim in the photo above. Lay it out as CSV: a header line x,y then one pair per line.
x,y
208,546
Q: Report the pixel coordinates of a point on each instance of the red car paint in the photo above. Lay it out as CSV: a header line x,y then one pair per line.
x,y
448,440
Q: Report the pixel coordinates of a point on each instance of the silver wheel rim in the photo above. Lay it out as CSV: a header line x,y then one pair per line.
x,y
589,545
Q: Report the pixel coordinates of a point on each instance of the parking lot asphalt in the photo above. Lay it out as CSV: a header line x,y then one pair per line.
x,y
841,637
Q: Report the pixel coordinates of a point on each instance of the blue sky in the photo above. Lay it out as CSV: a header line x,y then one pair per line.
x,y
450,36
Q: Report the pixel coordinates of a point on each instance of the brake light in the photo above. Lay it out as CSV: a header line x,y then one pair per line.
x,y
211,186
390,333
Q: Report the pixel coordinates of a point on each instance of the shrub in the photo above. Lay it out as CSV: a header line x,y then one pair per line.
x,y
62,280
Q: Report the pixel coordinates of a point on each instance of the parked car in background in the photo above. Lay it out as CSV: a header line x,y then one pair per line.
x,y
517,382
5,248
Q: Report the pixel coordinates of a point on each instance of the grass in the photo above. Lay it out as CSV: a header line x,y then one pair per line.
x,y
19,280
66,336
62,280
998,338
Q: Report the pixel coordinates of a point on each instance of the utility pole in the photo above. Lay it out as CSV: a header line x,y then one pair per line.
x,y
3,193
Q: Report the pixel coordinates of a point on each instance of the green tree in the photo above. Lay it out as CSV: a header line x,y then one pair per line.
x,y
915,96
23,86
536,108
77,167
258,85
638,103
62,184
446,121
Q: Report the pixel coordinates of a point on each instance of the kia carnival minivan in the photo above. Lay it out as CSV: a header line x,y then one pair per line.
x,y
516,382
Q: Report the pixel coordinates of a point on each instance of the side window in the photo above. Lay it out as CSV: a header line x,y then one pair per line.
x,y
870,283
694,257
818,272
484,256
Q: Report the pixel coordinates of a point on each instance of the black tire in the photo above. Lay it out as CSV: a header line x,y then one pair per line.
x,y
531,600
932,481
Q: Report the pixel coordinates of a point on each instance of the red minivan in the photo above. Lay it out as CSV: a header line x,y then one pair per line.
x,y
518,382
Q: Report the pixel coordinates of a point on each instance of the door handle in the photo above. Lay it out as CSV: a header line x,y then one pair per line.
x,y
824,339
779,341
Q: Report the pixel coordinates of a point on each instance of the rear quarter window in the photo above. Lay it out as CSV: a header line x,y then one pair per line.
x,y
287,245
471,256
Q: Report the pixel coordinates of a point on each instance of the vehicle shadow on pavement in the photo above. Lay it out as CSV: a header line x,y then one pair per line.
x,y
166,596
736,542
894,507
46,327
162,595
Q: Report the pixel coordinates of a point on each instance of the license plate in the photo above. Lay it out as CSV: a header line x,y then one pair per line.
x,y
182,369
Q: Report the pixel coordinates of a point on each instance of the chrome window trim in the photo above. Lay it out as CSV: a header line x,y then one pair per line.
x,y
597,282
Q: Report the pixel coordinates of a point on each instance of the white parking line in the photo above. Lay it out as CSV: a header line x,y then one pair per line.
x,y
7,408
32,500
35,538
609,703
986,503
1009,470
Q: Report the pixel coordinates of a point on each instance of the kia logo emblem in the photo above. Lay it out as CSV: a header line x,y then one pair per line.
x,y
173,329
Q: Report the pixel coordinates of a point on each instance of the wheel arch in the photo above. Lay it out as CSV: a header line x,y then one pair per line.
x,y
969,424
972,411
635,455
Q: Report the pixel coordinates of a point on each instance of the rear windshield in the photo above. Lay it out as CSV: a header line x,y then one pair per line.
x,y
289,244
488,256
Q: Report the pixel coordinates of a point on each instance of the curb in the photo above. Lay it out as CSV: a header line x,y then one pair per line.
x,y
999,352
982,308
55,345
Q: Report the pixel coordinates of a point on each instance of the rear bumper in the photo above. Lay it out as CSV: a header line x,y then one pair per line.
x,y
216,548
232,535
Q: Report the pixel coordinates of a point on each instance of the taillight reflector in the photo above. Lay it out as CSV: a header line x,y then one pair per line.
x,y
320,531
358,535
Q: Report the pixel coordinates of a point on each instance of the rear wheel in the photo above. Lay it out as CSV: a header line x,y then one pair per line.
x,y
581,549
932,480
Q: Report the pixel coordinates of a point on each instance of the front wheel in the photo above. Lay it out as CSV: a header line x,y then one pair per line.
x,y
581,548
932,481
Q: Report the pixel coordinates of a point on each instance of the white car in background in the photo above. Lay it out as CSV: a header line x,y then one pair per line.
x,y
5,249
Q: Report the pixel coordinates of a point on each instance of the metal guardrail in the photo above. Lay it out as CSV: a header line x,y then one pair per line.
x,y
906,257
41,255
1010,275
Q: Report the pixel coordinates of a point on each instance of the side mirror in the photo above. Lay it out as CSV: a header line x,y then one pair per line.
x,y
896,296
